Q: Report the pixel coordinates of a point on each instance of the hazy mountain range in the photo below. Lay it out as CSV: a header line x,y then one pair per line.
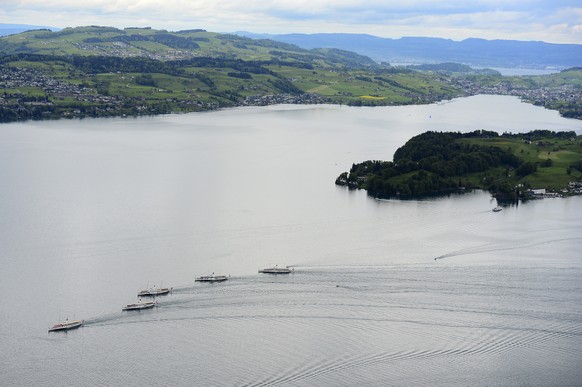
x,y
9,29
417,50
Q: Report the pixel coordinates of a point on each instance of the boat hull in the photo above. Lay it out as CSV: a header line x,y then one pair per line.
x,y
67,326
275,271
139,306
154,292
218,278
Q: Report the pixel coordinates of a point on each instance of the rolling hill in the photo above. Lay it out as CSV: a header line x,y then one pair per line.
x,y
97,71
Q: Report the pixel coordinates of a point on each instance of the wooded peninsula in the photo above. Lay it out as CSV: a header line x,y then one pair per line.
x,y
510,166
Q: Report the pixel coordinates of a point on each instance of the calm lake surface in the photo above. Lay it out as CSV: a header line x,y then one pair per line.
x,y
439,292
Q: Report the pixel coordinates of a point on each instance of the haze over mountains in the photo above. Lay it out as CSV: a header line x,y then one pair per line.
x,y
9,29
417,50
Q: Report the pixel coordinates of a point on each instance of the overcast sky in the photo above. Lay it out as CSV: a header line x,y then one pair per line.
x,y
556,21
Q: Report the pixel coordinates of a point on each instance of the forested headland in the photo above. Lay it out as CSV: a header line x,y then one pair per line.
x,y
510,166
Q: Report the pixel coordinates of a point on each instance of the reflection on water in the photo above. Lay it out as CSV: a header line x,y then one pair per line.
x,y
440,291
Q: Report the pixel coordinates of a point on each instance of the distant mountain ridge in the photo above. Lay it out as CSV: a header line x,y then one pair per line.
x,y
418,50
10,29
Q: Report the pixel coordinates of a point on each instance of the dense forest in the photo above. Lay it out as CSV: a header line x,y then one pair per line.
x,y
436,163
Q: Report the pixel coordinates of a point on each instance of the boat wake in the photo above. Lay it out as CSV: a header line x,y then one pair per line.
x,y
104,319
491,247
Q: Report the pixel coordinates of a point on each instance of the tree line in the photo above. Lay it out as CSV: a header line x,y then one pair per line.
x,y
435,162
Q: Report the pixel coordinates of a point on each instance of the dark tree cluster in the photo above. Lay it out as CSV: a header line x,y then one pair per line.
x,y
285,86
252,67
118,38
239,75
431,163
542,133
108,64
393,83
145,80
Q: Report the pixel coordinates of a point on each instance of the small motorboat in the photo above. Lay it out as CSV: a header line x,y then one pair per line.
x,y
211,278
140,305
497,209
276,270
152,292
66,325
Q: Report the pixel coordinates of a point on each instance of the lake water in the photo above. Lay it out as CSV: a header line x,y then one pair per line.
x,y
516,71
91,211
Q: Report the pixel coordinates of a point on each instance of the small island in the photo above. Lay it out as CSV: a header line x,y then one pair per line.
x,y
511,166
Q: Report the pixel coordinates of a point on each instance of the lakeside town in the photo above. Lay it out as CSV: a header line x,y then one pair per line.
x,y
60,98
543,96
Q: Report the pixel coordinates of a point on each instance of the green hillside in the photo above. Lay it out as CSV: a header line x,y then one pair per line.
x,y
104,71
169,46
101,71
508,165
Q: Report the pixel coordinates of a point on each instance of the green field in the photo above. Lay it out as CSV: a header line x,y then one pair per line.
x,y
562,154
156,71
509,165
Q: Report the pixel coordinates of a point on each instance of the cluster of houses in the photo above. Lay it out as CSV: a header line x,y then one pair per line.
x,y
124,50
574,188
15,78
272,99
25,78
539,96
21,79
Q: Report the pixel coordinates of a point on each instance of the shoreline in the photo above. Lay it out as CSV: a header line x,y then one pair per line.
x,y
261,101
